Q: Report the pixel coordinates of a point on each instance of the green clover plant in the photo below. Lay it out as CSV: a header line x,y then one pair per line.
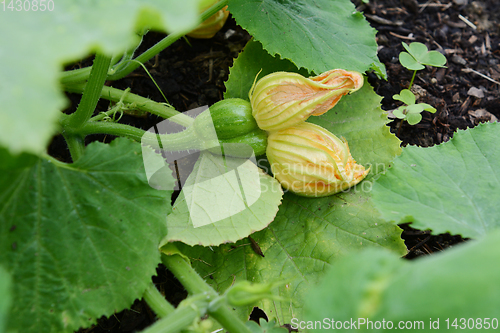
x,y
415,59
417,55
410,111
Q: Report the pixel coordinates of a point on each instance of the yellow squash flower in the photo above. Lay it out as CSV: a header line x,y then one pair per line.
x,y
212,25
310,161
280,100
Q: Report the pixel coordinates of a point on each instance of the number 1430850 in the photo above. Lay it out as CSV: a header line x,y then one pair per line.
x,y
472,323
27,5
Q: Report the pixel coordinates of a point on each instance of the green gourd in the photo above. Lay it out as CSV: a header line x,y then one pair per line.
x,y
233,122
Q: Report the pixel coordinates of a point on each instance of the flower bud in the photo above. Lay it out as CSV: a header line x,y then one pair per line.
x,y
209,27
280,100
310,161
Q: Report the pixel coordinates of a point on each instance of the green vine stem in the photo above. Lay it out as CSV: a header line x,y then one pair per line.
x,y
157,301
195,284
124,68
82,74
75,75
76,145
184,140
91,93
140,103
186,275
161,45
182,317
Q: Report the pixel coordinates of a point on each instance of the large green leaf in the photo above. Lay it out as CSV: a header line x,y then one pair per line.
x,y
376,285
223,200
80,240
306,235
34,46
318,35
5,298
453,187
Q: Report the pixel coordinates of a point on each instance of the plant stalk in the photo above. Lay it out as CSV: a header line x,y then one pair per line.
x,y
82,74
76,145
412,79
184,140
399,127
163,44
75,75
141,103
122,70
91,92
186,275
157,301
195,284
181,318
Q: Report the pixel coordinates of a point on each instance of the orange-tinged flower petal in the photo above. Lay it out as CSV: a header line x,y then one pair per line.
x,y
280,100
212,25
310,161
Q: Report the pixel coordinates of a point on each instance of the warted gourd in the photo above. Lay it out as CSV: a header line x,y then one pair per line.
x,y
233,123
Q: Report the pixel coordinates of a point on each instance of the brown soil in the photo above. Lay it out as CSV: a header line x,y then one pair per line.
x,y
464,94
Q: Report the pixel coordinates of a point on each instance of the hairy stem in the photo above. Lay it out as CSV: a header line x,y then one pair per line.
x,y
184,140
140,103
76,145
125,68
163,44
195,284
129,67
91,93
82,74
181,318
75,75
186,275
157,301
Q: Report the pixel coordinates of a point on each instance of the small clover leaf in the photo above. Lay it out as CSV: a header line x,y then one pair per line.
x,y
411,111
416,49
413,118
428,107
405,96
409,62
417,108
400,112
418,55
